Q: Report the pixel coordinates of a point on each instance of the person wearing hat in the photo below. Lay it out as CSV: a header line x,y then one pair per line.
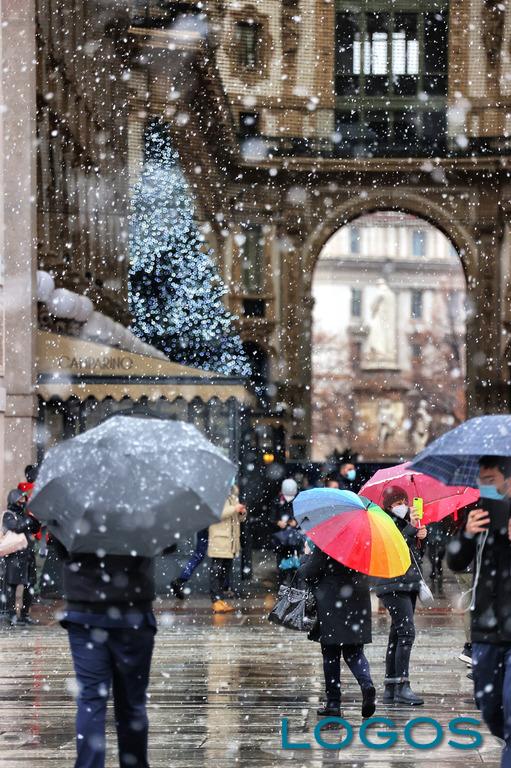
x,y
283,510
399,596
19,568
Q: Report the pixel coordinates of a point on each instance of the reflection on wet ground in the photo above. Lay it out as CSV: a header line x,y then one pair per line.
x,y
221,685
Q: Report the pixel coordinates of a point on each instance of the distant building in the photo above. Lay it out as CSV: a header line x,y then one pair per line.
x,y
389,338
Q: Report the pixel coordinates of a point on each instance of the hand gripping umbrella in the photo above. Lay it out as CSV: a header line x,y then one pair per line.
x,y
353,531
131,486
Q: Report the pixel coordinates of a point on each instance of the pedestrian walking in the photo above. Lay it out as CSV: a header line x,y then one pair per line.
x,y
343,627
111,627
223,546
485,542
19,568
348,477
195,559
399,596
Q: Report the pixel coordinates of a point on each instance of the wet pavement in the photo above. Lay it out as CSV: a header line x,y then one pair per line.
x,y
221,685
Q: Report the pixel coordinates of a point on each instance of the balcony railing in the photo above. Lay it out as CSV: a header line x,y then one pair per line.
x,y
259,147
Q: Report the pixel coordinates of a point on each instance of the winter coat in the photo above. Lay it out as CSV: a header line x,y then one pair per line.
x,y
224,537
343,600
20,568
96,584
491,617
410,581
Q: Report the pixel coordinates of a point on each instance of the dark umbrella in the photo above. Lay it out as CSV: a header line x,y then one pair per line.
x,y
131,485
454,457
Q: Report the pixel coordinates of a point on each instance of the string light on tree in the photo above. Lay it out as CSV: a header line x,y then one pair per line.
x,y
175,290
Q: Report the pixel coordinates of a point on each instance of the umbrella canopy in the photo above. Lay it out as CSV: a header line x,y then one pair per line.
x,y
439,500
131,486
355,532
453,458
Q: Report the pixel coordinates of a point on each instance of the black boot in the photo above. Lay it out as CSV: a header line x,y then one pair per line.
x,y
368,701
330,709
403,694
177,587
27,621
388,693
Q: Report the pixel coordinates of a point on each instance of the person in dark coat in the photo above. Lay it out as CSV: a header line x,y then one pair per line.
x,y
348,477
111,626
343,626
487,545
19,568
399,596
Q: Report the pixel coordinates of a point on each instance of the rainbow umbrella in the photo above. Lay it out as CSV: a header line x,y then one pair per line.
x,y
352,530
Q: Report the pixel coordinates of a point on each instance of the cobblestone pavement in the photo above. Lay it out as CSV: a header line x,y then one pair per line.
x,y
220,686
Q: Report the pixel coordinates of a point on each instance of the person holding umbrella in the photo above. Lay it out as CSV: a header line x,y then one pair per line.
x,y
399,596
115,497
353,539
485,541
343,627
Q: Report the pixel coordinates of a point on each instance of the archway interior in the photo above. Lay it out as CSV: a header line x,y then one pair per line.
x,y
388,351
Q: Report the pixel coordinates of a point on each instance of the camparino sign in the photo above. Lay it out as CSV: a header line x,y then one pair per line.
x,y
380,733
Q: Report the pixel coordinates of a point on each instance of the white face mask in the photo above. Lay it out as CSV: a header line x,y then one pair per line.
x,y
400,510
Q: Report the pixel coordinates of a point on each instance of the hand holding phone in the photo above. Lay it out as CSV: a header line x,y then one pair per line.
x,y
477,521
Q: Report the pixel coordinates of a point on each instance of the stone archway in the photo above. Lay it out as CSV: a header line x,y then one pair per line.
x,y
393,200
415,204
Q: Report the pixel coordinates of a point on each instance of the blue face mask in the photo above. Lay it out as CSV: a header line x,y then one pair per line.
x,y
351,474
490,492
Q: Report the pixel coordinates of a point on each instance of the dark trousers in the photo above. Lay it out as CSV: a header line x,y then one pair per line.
x,y
197,556
10,600
356,660
219,573
492,688
436,554
120,658
401,608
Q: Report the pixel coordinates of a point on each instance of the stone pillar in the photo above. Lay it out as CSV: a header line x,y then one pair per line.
x,y
485,365
18,188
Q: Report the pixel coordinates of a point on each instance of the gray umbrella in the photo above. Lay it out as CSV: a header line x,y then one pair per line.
x,y
454,457
131,485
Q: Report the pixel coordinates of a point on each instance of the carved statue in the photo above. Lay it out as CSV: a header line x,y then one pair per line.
x,y
380,348
421,425
387,423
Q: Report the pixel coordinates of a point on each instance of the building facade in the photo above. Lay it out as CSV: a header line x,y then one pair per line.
x,y
293,118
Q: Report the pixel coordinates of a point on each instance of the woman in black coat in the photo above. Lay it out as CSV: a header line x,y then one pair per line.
x,y
399,596
343,626
20,567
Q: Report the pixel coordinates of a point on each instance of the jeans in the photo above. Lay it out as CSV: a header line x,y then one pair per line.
x,y
197,556
121,658
492,689
355,659
220,570
401,608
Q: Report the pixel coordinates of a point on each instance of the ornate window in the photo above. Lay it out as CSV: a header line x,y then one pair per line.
x,y
391,74
253,259
248,37
248,44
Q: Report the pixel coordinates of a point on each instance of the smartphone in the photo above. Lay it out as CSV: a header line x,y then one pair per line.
x,y
418,505
499,512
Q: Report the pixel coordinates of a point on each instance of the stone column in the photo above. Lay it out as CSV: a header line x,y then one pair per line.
x,y
485,369
18,187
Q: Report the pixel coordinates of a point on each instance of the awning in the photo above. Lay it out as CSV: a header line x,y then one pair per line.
x,y
70,367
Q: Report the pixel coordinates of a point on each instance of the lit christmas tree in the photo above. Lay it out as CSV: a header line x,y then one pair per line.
x,y
175,290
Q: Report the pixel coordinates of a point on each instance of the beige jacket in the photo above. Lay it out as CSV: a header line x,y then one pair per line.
x,y
224,537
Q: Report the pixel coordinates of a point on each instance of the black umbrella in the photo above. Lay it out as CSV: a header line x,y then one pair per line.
x,y
131,485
